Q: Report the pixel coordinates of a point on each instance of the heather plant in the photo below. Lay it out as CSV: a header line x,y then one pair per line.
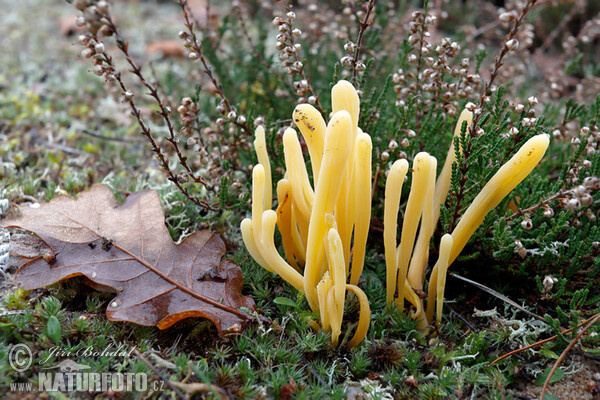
x,y
521,70
207,153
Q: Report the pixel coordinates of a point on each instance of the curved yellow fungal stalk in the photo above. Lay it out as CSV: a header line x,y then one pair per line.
x,y
335,161
302,192
251,245
271,256
421,166
431,213
345,98
337,269
362,209
418,262
312,126
335,312
260,146
393,190
364,318
284,222
442,268
323,288
258,193
498,187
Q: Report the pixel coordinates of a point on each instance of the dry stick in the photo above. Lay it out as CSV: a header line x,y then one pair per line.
x,y
363,27
240,16
462,180
288,23
534,207
498,295
565,352
539,343
143,359
153,92
422,28
481,30
162,158
560,28
197,47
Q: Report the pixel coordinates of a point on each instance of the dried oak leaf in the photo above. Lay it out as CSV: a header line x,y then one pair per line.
x,y
128,248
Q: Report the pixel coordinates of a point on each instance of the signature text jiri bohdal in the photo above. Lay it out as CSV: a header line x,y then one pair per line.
x,y
110,351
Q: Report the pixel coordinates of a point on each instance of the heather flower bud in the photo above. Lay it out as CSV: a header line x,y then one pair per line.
x,y
512,44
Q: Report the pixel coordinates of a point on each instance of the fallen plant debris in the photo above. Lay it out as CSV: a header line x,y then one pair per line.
x,y
127,248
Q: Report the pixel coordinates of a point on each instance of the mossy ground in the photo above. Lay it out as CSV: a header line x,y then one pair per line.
x,y
62,132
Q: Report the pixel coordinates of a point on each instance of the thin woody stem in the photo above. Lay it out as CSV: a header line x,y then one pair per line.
x,y
145,130
288,23
196,45
499,62
153,92
363,27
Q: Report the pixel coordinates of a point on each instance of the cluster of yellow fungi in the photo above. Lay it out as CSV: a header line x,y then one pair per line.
x,y
324,226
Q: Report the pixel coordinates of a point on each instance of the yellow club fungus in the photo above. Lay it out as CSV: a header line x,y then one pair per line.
x,y
320,224
324,221
499,186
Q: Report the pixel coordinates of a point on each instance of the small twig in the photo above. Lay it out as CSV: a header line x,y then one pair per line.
x,y
534,207
196,45
294,55
60,147
464,320
481,30
538,343
143,359
498,295
99,136
153,92
24,198
363,27
499,62
565,352
519,396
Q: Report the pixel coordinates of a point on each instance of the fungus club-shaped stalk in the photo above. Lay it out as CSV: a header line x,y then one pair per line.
x,y
393,190
345,98
318,227
308,119
425,197
501,184
416,272
422,164
418,262
260,144
335,161
362,209
442,268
